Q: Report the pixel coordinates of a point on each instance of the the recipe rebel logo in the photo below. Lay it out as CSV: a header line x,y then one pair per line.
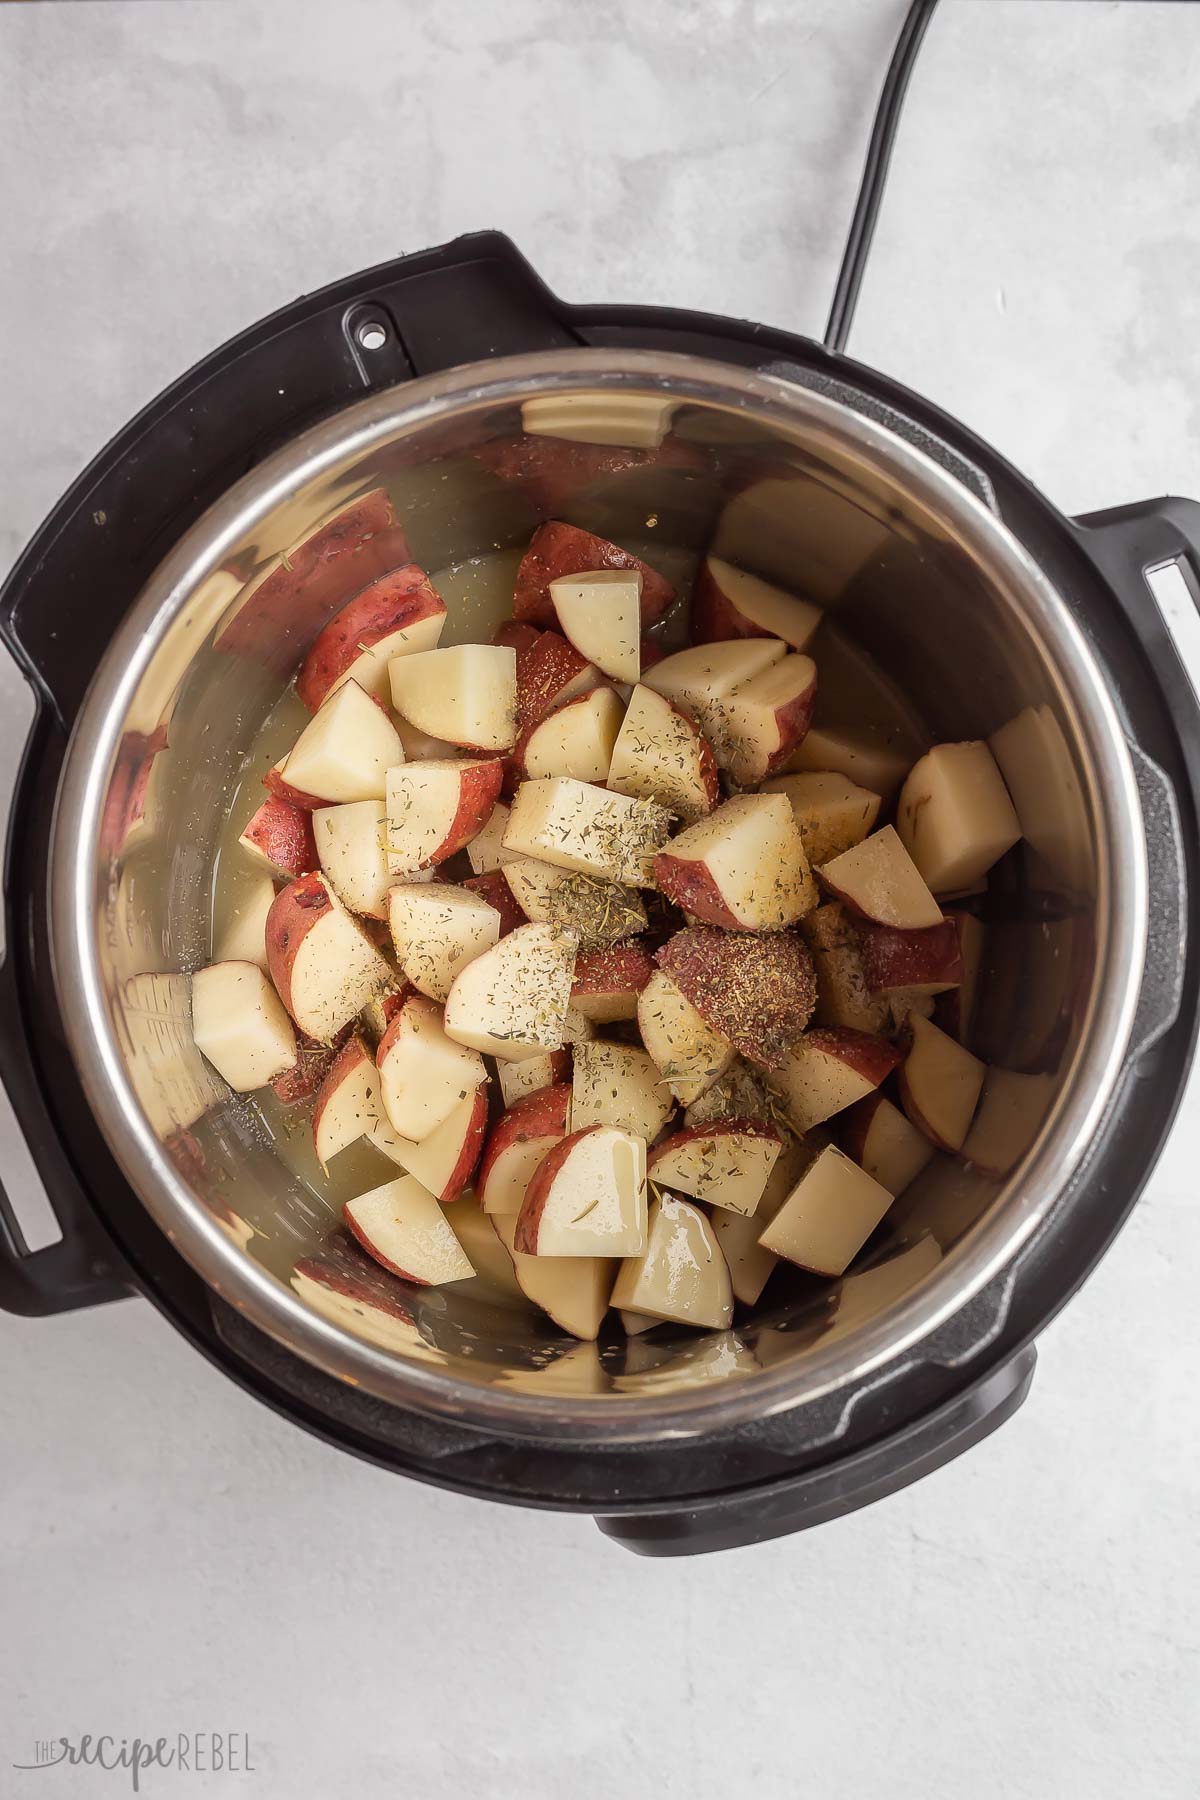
x,y
185,1752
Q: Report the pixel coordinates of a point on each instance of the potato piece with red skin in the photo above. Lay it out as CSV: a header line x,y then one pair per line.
x,y
435,808
291,600
492,887
575,739
877,879
743,867
445,1161
728,603
550,671
313,1062
757,991
283,790
766,718
399,612
557,549
828,1216
423,1074
827,1070
886,1144
129,786
347,1103
607,982
552,472
404,1228
522,1136
927,961
843,997
324,965
691,1056
587,1197
940,1083
281,835
662,754
726,1163
517,634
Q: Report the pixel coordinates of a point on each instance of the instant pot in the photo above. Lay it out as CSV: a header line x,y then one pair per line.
x,y
133,617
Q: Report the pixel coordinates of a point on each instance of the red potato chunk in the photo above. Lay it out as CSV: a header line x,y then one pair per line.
x,y
757,992
557,550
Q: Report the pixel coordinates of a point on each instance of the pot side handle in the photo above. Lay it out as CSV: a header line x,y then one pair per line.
x,y
1129,544
734,1521
38,1275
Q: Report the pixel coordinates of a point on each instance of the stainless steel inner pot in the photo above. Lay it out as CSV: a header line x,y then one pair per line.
x,y
964,635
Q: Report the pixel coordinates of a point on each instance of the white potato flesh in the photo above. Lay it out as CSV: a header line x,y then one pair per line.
x,y
600,612
345,750
661,754
595,1204
618,1084
702,678
832,812
576,739
689,1054
572,1290
779,614
350,1110
828,1216
877,766
940,1084
466,694
533,1072
738,1233
636,421
879,879
335,971
405,1229
766,717
423,807
241,1025
1011,1109
486,851
244,938
587,829
815,1082
682,1274
512,1000
435,1158
423,1073
729,1169
752,853
954,816
351,847
894,1151
437,929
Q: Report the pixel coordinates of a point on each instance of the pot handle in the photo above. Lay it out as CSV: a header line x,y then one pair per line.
x,y
733,1521
82,1268
1128,544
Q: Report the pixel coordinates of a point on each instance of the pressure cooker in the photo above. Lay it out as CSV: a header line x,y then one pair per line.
x,y
984,604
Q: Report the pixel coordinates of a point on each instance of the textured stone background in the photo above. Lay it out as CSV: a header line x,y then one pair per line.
x,y
171,1555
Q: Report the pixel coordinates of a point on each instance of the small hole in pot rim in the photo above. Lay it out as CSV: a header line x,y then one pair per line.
x,y
372,335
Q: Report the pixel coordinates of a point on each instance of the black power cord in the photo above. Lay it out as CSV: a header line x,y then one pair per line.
x,y
879,156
